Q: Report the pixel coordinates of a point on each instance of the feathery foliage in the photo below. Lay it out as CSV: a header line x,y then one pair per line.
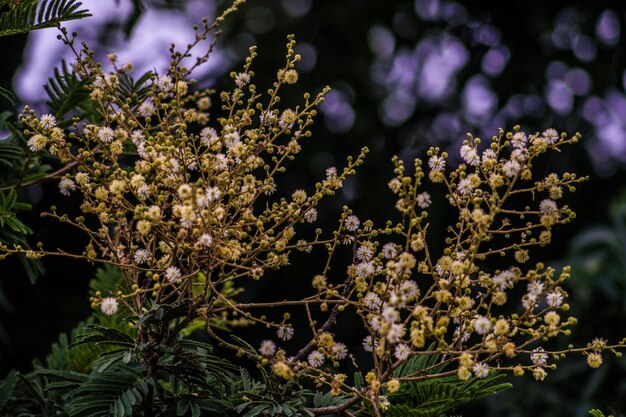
x,y
27,15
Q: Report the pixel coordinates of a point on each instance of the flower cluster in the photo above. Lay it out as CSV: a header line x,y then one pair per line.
x,y
180,190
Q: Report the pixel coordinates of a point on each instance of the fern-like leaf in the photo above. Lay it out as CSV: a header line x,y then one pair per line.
x,y
115,392
67,93
38,14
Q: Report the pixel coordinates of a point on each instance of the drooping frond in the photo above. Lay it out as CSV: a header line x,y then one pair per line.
x,y
38,14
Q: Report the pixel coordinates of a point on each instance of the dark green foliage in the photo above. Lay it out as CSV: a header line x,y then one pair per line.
x,y
114,392
132,90
13,231
30,15
597,413
7,95
436,396
67,93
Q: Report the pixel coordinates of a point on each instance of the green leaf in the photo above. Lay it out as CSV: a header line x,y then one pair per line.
x,y
7,95
67,93
6,388
38,14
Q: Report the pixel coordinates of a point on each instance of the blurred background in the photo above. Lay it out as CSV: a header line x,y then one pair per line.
x,y
405,75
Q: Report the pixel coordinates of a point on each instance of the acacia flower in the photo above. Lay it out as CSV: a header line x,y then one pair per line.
x,y
106,134
142,256
437,163
395,333
465,186
369,344
310,215
511,168
287,119
548,207
48,121
551,135
519,140
242,79
212,194
364,253
66,185
352,223
482,325
146,108
594,360
481,370
316,359
539,357
208,136
402,351
165,84
469,155
285,332
554,299
372,301
423,200
205,240
109,306
339,351
173,273
37,142
267,348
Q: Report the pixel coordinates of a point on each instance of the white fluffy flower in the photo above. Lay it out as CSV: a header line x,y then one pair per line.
x,y
554,299
390,250
437,163
172,273
146,109
48,121
489,155
212,194
369,344
539,357
310,215
511,168
372,301
339,351
109,306
395,333
316,359
242,79
66,185
469,155
402,352
535,288
208,136
519,140
285,332
423,200
106,134
352,223
141,256
465,186
364,253
165,84
503,280
267,348
205,239
481,370
548,206
482,325
551,136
